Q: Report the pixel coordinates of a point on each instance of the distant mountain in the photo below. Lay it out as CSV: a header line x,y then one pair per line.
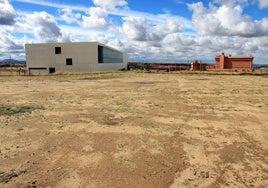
x,y
13,61
257,66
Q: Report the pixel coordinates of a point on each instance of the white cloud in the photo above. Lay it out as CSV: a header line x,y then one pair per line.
x,y
263,3
45,27
140,29
116,43
136,28
10,46
7,13
232,2
110,4
226,21
68,16
97,18
171,25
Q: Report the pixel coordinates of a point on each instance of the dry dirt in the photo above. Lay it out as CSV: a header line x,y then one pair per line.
x,y
134,130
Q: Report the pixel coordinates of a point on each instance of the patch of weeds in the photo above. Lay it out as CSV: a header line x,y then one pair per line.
x,y
151,104
209,136
107,118
129,164
202,79
254,74
6,156
145,83
235,91
123,105
13,110
156,146
101,76
5,177
60,127
227,108
218,93
120,146
105,107
132,165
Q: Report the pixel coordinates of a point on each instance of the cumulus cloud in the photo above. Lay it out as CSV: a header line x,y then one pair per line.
x,y
10,46
171,25
97,18
136,28
227,21
139,29
110,4
263,3
116,43
45,27
68,16
232,2
7,13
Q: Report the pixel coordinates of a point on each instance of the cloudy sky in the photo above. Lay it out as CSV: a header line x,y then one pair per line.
x,y
148,30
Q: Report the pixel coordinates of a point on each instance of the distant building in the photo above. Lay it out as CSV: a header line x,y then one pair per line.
x,y
196,66
232,63
73,57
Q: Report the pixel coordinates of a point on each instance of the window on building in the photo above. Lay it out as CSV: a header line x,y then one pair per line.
x,y
57,50
69,61
107,55
52,69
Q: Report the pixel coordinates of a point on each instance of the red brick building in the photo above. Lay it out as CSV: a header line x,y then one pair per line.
x,y
196,66
232,63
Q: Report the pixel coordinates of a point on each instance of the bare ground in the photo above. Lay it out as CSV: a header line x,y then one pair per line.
x,y
134,130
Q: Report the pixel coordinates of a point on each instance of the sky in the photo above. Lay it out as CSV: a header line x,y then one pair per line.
x,y
177,31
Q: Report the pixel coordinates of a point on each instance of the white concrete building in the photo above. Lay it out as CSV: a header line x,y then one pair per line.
x,y
73,57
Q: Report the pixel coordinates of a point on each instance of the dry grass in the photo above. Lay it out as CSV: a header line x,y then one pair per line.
x,y
134,130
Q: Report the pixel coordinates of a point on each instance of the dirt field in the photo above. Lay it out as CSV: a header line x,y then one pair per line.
x,y
134,130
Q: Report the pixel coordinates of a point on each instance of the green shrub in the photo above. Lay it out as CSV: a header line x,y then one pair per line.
x,y
9,110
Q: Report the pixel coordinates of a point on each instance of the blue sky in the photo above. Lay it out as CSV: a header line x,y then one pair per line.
x,y
148,30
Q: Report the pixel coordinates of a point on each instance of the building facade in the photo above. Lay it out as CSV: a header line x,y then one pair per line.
x,y
196,66
73,57
232,63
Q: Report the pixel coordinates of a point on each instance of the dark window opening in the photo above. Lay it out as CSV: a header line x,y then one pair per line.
x,y
36,68
100,54
107,55
69,61
52,69
57,50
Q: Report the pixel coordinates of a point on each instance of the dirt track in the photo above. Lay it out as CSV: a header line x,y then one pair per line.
x,y
134,130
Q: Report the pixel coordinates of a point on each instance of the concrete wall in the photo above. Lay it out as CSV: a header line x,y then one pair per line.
x,y
84,57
